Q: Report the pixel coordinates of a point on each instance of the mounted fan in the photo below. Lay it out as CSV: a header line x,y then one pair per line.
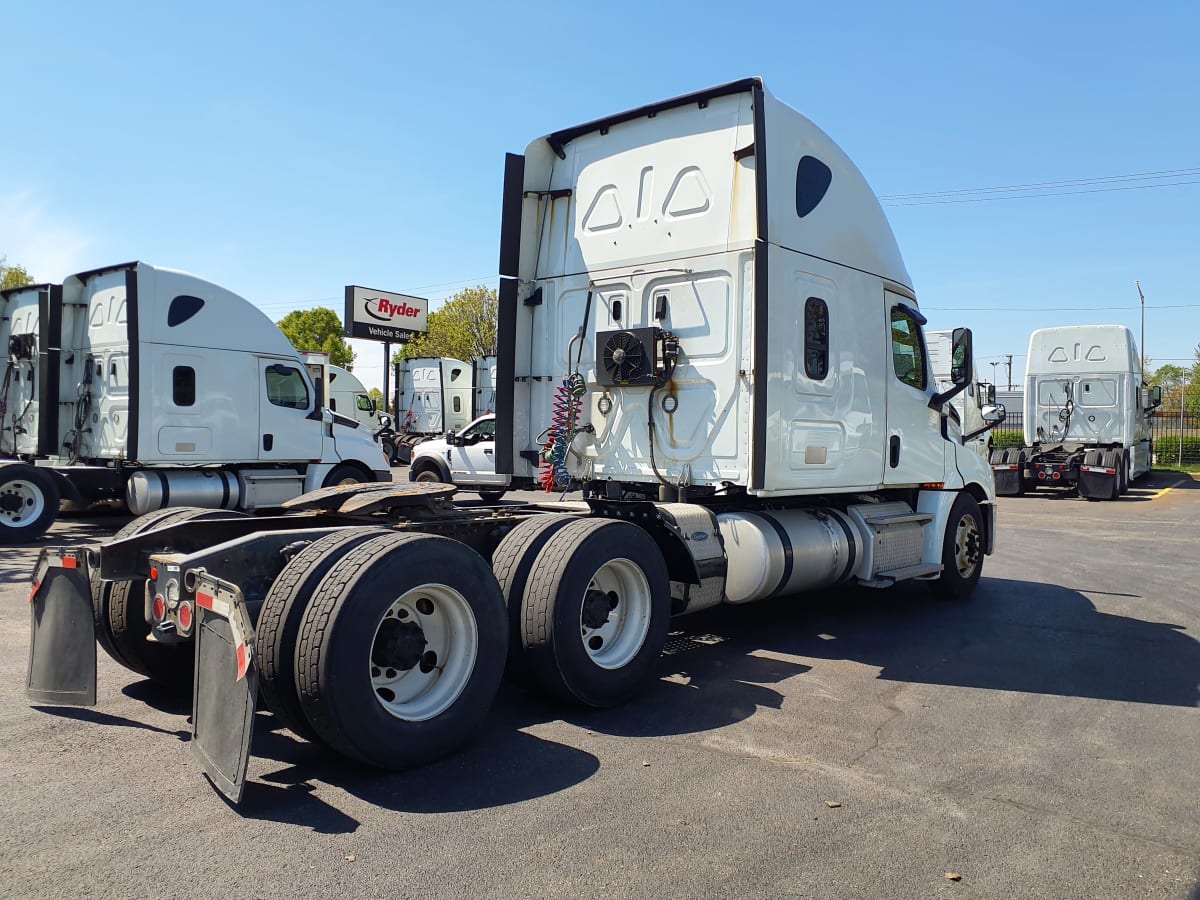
x,y
627,357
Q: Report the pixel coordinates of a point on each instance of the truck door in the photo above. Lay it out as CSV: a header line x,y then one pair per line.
x,y
915,452
288,432
474,462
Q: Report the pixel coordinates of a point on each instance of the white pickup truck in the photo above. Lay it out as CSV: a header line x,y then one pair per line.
x,y
466,459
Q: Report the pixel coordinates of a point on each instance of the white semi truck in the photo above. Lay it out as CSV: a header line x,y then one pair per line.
x,y
970,418
706,322
436,396
1087,415
153,387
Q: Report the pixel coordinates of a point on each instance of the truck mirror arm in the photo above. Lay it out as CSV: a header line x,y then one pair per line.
x,y
938,401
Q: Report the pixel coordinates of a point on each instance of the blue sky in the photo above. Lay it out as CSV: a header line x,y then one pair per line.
x,y
284,150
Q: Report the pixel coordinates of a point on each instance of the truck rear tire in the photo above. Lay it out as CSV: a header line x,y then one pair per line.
x,y
280,617
512,562
397,667
121,617
595,611
962,550
29,499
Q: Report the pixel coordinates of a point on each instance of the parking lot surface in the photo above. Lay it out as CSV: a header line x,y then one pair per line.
x,y
1041,739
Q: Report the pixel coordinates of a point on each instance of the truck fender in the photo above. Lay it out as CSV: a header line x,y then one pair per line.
x,y
939,503
425,462
66,489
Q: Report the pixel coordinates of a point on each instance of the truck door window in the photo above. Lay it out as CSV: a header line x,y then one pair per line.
x,y
816,338
183,386
286,387
908,349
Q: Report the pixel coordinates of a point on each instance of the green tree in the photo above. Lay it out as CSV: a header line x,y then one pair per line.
x,y
13,276
464,328
318,330
377,395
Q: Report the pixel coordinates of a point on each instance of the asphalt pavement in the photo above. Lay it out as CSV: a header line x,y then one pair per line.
x,y
1037,740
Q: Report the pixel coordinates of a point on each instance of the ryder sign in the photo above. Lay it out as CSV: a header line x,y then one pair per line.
x,y
384,316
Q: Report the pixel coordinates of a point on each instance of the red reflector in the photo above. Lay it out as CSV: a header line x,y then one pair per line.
x,y
204,600
154,573
70,562
160,608
185,616
1111,471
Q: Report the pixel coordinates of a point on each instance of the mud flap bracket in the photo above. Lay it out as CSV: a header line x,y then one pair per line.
x,y
62,642
226,686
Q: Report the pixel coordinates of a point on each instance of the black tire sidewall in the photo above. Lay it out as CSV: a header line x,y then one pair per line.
x,y
952,583
365,726
563,663
280,617
51,497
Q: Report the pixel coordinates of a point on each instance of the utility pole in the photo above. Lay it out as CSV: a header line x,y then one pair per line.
x,y
1009,364
1142,299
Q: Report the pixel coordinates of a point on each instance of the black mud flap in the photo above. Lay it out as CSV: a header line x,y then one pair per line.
x,y
1096,482
226,687
1008,480
62,644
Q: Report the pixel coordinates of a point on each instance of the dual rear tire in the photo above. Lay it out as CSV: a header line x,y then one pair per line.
x,y
364,649
588,603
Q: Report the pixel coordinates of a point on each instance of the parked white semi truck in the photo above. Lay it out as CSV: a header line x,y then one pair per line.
x,y
973,413
156,388
705,320
436,396
1087,415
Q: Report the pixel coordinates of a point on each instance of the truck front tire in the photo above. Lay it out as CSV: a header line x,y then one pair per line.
x,y
29,499
962,549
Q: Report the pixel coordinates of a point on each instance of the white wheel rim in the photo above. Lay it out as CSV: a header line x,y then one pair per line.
x,y
433,656
21,502
967,541
615,617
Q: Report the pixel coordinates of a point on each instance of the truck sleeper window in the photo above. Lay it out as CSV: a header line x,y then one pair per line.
x,y
286,387
908,352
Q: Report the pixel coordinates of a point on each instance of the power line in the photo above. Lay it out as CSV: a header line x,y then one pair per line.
x,y
1074,182
1054,308
1135,187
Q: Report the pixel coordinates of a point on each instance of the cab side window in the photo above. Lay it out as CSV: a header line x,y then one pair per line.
x,y
908,349
286,387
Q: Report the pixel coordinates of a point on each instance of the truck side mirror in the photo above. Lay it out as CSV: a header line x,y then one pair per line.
x,y
987,394
385,421
1152,397
961,358
962,364
994,413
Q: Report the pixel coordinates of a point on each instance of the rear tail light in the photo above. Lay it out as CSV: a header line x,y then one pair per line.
x,y
154,573
185,616
160,607
1057,475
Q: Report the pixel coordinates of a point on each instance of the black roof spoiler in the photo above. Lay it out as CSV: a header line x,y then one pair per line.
x,y
559,139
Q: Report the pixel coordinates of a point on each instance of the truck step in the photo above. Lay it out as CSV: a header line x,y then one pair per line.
x,y
900,519
891,576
